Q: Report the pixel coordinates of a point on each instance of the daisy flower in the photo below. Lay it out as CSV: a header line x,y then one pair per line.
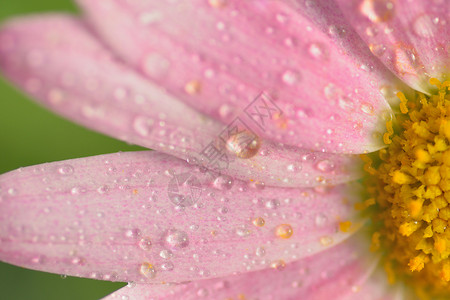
x,y
301,148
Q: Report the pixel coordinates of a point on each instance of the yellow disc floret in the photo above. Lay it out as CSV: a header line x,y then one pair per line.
x,y
410,183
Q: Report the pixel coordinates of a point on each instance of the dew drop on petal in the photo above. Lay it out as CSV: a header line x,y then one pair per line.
x,y
143,125
148,270
260,251
242,231
284,231
316,50
321,219
65,170
325,165
223,182
193,87
168,266
145,244
278,265
290,77
243,144
175,239
326,241
259,222
166,254
272,203
367,108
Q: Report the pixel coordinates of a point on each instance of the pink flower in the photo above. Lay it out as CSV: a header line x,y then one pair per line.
x,y
278,220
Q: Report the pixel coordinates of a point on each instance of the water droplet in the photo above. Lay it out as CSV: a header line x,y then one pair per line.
x,y
281,17
242,231
293,168
377,49
272,204
225,111
345,103
148,270
145,244
260,251
103,189
193,87
223,182
326,240
65,170
278,265
166,254
143,125
325,166
284,231
175,239
243,144
321,219
367,108
12,191
132,233
168,266
377,10
259,222
317,51
290,77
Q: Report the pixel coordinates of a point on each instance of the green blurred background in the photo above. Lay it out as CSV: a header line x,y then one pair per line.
x,y
31,135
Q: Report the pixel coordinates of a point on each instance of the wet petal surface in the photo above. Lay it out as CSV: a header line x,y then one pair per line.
x,y
59,62
337,273
148,217
218,58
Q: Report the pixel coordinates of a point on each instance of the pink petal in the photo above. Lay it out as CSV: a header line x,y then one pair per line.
x,y
59,62
411,37
330,101
107,216
337,273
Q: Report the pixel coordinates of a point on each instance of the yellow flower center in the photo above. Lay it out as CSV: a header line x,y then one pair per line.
x,y
409,192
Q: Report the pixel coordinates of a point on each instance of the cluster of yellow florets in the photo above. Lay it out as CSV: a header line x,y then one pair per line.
x,y
410,184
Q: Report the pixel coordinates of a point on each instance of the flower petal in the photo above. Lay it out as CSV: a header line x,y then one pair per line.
x,y
149,217
411,37
218,58
59,62
334,273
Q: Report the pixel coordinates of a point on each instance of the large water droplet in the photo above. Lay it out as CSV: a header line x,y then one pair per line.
x,y
284,231
175,239
243,144
148,270
223,182
145,244
166,254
